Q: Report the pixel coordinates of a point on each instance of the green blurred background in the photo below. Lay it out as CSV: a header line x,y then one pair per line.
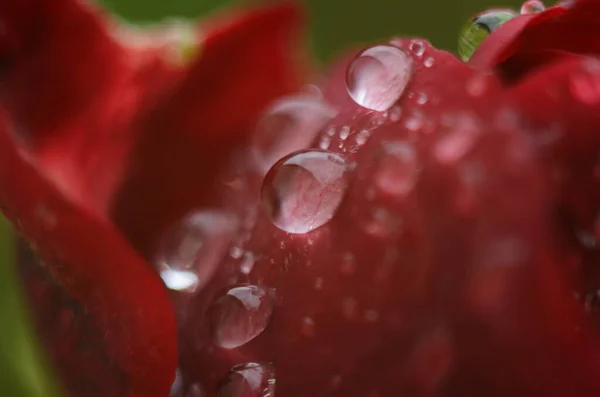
x,y
334,26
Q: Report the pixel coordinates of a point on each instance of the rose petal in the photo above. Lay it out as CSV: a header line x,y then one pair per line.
x,y
129,335
245,64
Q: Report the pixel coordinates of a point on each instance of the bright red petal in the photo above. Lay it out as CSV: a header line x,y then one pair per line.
x,y
123,328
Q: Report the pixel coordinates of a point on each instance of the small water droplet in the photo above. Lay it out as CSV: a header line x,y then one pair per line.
x,y
247,263
415,121
532,7
318,283
381,223
349,308
192,248
585,87
304,190
395,113
308,327
377,77
290,124
371,316
428,62
249,380
397,168
240,315
325,142
344,133
422,98
478,85
417,47
348,265
236,252
457,142
362,137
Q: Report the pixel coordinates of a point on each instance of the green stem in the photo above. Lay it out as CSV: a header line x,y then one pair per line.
x,y
23,368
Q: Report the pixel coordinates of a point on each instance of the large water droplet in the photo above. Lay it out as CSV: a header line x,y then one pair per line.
x,y
397,169
290,124
304,190
240,315
377,77
249,380
191,249
532,6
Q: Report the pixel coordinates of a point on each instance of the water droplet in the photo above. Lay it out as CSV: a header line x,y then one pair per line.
x,y
325,142
457,142
348,265
349,308
304,190
247,263
417,47
479,84
479,28
362,137
249,380
585,87
236,252
532,7
308,327
422,98
428,62
397,168
395,113
415,121
318,283
240,315
377,77
371,316
381,223
344,133
289,125
192,248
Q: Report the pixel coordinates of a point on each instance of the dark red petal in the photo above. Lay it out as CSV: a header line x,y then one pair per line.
x,y
123,323
431,304
184,141
514,49
561,107
72,90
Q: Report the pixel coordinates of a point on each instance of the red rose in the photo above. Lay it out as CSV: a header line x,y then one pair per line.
x,y
430,230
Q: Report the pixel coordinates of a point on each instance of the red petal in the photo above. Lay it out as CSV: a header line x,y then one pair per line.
x,y
72,91
245,64
514,49
123,305
562,108
429,304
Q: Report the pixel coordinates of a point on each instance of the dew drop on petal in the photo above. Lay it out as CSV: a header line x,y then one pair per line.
x,y
585,87
457,142
304,190
397,168
417,47
532,6
378,76
249,380
428,62
289,125
240,315
192,248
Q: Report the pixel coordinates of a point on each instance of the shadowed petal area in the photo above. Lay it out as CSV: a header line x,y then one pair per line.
x,y
119,322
